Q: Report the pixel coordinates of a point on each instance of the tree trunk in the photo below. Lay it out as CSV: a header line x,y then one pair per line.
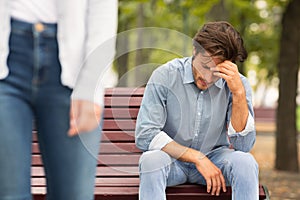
x,y
122,53
122,59
139,58
286,140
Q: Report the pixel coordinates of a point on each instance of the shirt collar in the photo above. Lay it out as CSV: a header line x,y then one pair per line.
x,y
189,78
188,72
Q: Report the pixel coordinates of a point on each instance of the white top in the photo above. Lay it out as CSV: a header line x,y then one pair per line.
x,y
33,11
86,36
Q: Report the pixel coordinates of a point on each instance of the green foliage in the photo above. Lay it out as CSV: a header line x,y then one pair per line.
x,y
257,20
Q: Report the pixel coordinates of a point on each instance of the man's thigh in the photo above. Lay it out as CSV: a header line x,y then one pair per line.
x,y
158,162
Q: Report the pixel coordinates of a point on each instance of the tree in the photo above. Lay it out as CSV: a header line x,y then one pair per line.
x,y
286,140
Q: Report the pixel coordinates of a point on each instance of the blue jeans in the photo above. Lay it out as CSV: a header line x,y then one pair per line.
x,y
33,91
158,170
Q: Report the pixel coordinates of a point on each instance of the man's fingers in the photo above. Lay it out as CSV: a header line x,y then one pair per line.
x,y
208,185
223,183
218,186
215,183
214,186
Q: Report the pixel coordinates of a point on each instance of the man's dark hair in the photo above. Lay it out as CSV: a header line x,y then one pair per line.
x,y
222,40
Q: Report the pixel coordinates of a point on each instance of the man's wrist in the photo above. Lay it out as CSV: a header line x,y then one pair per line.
x,y
198,156
201,156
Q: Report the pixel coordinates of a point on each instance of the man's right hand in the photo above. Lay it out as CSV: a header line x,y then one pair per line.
x,y
212,174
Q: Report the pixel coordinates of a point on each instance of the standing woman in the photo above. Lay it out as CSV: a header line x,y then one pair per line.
x,y
53,54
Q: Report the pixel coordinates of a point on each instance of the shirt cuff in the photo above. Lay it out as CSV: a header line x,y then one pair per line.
x,y
159,141
249,127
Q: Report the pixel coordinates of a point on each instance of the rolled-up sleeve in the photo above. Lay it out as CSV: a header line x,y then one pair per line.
x,y
248,128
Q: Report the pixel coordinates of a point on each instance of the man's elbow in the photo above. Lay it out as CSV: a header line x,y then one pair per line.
x,y
141,144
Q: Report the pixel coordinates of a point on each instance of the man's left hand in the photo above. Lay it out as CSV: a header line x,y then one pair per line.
x,y
230,73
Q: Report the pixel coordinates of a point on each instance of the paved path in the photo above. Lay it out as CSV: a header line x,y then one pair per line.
x,y
281,185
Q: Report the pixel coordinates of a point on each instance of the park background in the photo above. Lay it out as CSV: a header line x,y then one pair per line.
x,y
152,32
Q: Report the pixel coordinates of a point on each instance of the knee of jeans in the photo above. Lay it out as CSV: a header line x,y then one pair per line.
x,y
244,164
249,162
151,161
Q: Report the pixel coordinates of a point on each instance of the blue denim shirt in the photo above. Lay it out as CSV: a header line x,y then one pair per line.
x,y
172,103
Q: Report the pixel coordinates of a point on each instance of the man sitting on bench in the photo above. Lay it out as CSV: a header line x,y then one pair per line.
x,y
196,121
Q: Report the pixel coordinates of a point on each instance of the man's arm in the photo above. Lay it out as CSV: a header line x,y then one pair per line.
x,y
241,126
212,174
229,72
152,114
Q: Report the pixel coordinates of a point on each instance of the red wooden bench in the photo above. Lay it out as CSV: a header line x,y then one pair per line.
x,y
117,172
265,119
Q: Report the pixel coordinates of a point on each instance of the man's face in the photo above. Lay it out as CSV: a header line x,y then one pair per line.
x,y
201,65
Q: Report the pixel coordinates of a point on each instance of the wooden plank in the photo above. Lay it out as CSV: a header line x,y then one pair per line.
x,y
102,171
118,136
131,193
119,125
39,192
111,135
35,148
126,101
265,114
118,148
107,160
131,159
105,148
124,91
193,189
121,113
116,190
99,182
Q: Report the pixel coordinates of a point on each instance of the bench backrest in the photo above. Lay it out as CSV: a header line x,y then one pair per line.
x,y
117,170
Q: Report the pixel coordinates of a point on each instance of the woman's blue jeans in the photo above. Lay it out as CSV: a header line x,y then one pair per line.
x,y
33,92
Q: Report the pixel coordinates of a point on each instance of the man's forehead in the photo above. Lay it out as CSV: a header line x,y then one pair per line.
x,y
207,59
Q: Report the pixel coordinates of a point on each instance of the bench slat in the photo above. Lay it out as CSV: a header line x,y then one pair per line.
x,y
105,148
102,171
121,113
124,91
118,136
122,101
191,192
99,182
111,136
265,114
111,159
122,125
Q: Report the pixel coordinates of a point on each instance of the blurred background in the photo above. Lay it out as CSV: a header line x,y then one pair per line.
x,y
152,32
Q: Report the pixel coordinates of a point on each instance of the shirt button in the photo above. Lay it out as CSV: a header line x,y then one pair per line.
x,y
196,134
199,113
201,92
